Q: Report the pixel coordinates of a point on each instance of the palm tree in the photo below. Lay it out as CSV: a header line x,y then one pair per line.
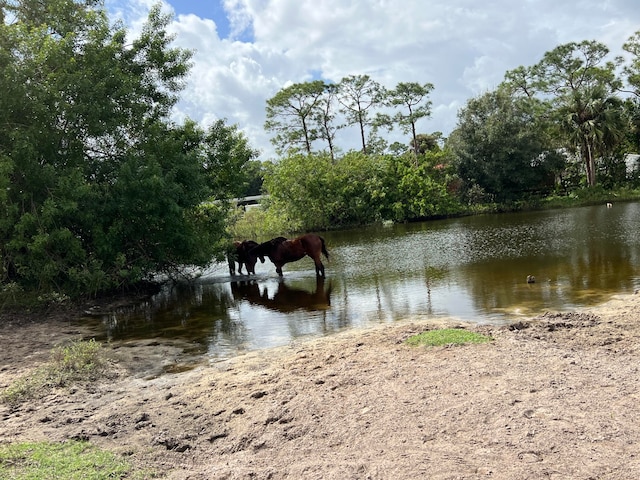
x,y
593,122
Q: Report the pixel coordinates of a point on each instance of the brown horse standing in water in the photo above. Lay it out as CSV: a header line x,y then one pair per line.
x,y
281,251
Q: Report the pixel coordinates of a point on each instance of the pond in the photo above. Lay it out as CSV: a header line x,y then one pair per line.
x,y
473,268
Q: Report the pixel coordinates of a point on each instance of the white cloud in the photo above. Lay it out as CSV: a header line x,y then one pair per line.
x,y
463,47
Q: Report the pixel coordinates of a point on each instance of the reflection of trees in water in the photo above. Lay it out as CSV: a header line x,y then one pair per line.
x,y
578,256
197,313
588,271
432,277
206,315
391,296
600,269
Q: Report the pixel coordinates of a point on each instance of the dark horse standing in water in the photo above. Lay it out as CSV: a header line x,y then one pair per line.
x,y
239,252
281,251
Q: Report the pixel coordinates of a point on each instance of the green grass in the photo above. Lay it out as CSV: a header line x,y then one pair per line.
x,y
590,196
80,361
446,336
68,461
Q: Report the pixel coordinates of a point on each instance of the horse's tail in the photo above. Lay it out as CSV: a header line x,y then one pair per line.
x,y
324,249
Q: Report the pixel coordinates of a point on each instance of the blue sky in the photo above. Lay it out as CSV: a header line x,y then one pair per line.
x,y
203,8
248,50
211,9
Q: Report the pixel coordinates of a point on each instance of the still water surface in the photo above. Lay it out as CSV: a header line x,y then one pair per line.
x,y
471,268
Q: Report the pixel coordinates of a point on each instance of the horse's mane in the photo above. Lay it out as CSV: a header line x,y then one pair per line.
x,y
265,247
277,240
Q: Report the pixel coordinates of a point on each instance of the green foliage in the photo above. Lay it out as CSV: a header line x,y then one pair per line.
x,y
356,185
99,190
578,86
305,117
632,70
502,150
446,336
359,95
419,190
71,460
291,115
427,142
227,153
254,171
300,188
81,361
314,192
413,97
260,223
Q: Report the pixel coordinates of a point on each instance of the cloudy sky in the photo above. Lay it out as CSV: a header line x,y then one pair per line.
x,y
248,50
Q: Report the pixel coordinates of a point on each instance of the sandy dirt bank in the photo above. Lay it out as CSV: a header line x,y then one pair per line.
x,y
555,396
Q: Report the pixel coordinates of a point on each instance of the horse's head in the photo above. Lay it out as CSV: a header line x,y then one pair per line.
x,y
269,249
258,251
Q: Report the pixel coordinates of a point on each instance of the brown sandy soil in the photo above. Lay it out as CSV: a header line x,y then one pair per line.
x,y
551,397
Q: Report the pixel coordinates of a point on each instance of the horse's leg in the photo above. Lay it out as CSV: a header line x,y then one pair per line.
x,y
232,265
319,265
279,269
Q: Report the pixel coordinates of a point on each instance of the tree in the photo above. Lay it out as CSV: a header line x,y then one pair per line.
x,y
416,191
100,189
501,148
359,188
227,156
593,120
358,95
632,71
325,118
292,114
300,188
425,142
254,171
575,78
413,97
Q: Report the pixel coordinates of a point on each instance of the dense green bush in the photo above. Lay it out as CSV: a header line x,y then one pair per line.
x,y
316,192
98,188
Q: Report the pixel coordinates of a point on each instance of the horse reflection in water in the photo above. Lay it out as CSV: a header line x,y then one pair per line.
x,y
286,299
